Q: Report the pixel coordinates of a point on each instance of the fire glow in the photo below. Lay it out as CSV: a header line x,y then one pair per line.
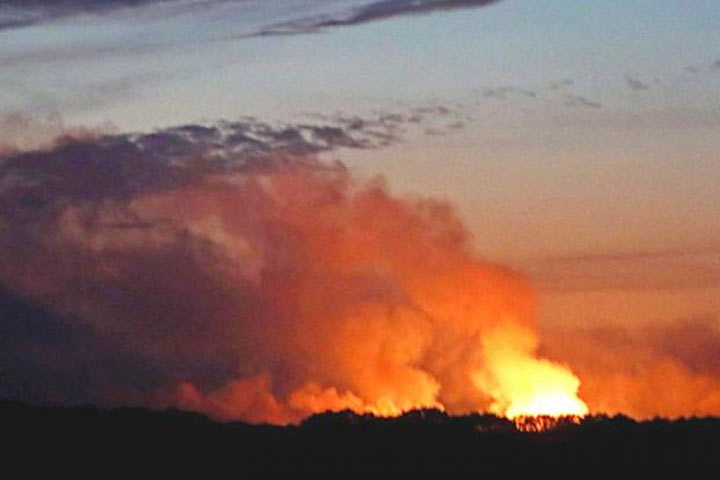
x,y
298,291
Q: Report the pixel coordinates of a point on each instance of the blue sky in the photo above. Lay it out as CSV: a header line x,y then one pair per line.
x,y
178,56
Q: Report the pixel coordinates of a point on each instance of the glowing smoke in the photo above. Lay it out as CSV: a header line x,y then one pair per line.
x,y
226,269
283,290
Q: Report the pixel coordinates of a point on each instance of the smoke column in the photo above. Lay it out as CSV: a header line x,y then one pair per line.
x,y
273,293
227,269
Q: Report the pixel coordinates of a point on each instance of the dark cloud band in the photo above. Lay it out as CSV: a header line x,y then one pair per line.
x,y
379,10
16,13
86,166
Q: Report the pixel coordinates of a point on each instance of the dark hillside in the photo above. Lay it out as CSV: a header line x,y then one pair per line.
x,y
344,442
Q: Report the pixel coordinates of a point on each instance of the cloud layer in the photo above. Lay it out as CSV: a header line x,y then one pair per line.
x,y
16,13
370,12
19,13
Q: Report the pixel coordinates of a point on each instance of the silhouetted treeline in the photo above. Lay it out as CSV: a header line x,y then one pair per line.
x,y
73,439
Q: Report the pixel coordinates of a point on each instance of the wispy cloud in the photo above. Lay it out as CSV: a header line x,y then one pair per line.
x,y
19,13
574,100
373,11
651,270
556,91
703,68
561,84
502,92
636,84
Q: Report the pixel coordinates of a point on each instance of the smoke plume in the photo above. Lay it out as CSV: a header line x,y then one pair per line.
x,y
241,276
670,370
232,269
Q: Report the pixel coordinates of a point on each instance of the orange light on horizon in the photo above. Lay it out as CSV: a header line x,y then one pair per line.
x,y
553,404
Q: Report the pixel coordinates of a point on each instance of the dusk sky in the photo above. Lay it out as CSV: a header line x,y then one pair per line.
x,y
577,141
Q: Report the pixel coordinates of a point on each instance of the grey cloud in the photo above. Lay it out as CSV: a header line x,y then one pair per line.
x,y
556,91
378,10
12,17
561,84
574,100
20,13
445,129
59,7
72,4
504,91
568,97
635,84
704,68
385,128
16,13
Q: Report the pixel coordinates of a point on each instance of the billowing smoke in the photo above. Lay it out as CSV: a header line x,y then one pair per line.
x,y
226,269
231,269
668,370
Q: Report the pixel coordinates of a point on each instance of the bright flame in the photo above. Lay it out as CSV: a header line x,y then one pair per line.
x,y
554,404
523,385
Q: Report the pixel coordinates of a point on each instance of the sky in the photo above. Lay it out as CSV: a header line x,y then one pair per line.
x,y
577,141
